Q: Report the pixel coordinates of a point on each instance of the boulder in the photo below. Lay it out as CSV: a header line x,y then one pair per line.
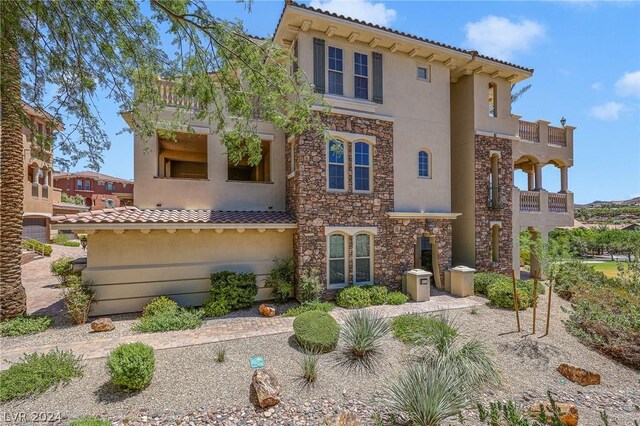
x,y
267,311
265,388
342,419
579,375
102,324
568,413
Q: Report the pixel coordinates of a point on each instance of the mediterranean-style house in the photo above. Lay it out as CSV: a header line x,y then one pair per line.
x,y
98,190
418,172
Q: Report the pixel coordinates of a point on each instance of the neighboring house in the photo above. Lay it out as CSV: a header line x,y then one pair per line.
x,y
418,172
99,191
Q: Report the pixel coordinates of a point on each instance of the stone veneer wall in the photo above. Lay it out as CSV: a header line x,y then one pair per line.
x,y
484,214
314,207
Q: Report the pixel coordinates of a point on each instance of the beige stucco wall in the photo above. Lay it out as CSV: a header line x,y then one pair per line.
x,y
129,269
504,123
420,112
215,192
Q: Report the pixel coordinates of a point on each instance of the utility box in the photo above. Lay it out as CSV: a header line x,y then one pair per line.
x,y
447,281
418,284
462,281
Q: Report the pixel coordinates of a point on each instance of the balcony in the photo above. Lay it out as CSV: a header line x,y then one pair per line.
x,y
534,207
169,93
555,136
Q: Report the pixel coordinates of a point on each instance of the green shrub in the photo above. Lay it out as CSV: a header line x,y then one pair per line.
x,y
22,325
62,268
78,299
412,328
353,297
72,244
397,298
216,308
309,367
180,319
131,366
314,305
362,334
89,421
310,286
377,294
72,280
500,293
316,331
237,290
37,246
575,277
59,239
281,278
482,281
35,373
159,305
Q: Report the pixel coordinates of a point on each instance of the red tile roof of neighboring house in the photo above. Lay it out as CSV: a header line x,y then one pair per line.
x,y
134,215
396,32
91,175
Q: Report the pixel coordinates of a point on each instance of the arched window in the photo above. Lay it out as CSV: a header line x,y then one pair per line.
x,y
337,267
493,100
335,160
362,167
423,165
362,259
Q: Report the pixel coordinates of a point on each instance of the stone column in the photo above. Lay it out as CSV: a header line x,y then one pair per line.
x,y
538,170
530,182
564,179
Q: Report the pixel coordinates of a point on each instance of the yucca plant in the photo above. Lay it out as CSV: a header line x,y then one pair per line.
x,y
309,367
362,334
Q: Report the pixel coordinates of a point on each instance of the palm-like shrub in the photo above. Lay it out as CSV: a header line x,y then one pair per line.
x,y
362,334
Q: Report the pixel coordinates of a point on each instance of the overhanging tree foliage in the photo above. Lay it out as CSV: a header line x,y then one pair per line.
x,y
83,48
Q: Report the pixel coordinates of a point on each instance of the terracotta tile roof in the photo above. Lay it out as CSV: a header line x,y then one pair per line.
x,y
134,215
91,175
396,32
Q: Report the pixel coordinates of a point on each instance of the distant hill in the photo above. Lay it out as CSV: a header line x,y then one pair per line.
x,y
627,211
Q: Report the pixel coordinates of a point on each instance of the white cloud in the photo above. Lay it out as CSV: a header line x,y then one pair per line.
x,y
499,37
596,86
365,10
608,111
629,84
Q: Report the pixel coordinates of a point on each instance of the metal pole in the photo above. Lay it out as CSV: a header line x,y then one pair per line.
x,y
515,299
535,299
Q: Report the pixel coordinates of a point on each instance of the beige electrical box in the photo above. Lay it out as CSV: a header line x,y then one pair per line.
x,y
418,284
462,281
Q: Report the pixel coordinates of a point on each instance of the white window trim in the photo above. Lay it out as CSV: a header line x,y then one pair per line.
x,y
353,165
346,262
345,164
371,252
361,76
429,164
330,70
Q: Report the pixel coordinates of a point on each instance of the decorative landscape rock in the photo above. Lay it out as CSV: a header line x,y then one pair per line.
x,y
265,388
267,311
342,419
579,375
568,412
102,324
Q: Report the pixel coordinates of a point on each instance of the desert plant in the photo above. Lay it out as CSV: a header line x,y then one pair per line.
x,y
221,352
37,246
397,298
377,294
238,290
35,373
89,421
178,319
71,244
509,414
78,299
353,297
309,367
62,268
281,278
22,325
216,308
316,331
131,366
362,334
500,293
59,239
310,286
159,305
314,305
412,328
482,281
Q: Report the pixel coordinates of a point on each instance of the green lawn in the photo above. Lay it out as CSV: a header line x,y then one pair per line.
x,y
610,269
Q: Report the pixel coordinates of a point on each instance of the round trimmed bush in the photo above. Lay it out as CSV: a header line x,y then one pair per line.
x,y
397,298
353,298
378,294
159,305
482,281
131,366
500,293
316,331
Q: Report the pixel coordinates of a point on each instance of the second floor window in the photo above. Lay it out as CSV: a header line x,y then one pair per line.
x,y
78,183
361,75
335,157
109,186
245,172
493,100
423,164
87,185
336,68
362,167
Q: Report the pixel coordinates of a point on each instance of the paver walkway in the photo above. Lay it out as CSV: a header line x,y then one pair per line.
x,y
231,329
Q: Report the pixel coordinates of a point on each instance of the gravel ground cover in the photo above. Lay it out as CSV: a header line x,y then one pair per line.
x,y
190,387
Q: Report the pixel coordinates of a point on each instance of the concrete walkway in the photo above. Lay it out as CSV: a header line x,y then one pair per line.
x,y
231,329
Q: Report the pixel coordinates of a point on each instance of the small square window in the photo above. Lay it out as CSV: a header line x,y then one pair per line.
x,y
423,73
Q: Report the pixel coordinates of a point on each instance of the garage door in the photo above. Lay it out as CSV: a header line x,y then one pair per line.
x,y
35,228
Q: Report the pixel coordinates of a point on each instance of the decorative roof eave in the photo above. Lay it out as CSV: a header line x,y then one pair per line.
x,y
420,215
169,226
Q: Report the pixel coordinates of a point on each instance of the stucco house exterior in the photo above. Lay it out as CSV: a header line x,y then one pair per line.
x,y
98,190
417,172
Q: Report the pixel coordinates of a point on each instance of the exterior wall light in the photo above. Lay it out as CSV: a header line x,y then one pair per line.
x,y
563,121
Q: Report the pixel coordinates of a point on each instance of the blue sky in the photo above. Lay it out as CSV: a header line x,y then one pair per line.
x,y
586,57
